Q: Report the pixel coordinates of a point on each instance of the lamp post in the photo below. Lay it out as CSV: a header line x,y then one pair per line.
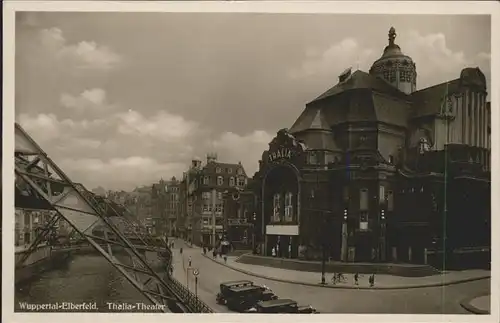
x,y
323,230
323,247
382,233
344,236
254,227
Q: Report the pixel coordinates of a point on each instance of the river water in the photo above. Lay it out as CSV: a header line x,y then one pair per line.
x,y
85,279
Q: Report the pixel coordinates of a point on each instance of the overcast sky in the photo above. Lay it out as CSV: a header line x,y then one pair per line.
x,y
123,99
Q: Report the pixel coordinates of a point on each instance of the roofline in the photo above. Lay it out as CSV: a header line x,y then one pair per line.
x,y
435,85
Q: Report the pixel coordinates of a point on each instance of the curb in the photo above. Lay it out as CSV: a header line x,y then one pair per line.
x,y
460,281
466,304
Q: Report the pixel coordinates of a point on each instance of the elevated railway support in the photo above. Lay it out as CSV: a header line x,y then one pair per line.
x,y
38,176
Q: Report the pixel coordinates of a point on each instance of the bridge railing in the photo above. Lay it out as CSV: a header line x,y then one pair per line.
x,y
195,304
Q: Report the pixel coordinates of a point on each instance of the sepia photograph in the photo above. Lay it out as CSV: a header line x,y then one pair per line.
x,y
250,162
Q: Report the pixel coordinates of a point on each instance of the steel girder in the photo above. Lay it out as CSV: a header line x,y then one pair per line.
x,y
75,204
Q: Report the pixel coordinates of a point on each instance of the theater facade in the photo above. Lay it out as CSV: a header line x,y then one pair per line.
x,y
374,170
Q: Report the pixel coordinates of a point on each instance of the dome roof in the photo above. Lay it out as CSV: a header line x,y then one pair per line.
x,y
395,67
392,50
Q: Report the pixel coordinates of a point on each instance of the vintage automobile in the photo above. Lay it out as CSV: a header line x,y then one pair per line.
x,y
280,306
239,299
225,287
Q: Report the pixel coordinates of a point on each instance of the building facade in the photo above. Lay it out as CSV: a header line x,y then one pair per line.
x,y
239,217
204,187
173,205
374,170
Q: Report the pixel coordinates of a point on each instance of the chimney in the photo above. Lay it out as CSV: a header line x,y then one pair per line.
x,y
211,157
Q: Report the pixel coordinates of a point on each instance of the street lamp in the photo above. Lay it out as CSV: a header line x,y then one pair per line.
x,y
254,218
323,232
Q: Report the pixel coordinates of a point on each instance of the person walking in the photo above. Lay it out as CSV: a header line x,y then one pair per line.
x,y
371,280
273,252
356,277
225,259
180,250
189,261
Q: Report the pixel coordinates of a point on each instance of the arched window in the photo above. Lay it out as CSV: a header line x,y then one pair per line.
x,y
231,181
288,207
206,180
276,207
220,180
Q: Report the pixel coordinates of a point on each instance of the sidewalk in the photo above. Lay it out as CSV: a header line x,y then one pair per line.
x,y
478,305
381,281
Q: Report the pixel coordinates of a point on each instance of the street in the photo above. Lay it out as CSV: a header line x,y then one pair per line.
x,y
435,300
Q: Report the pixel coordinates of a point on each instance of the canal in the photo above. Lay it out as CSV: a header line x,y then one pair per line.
x,y
86,279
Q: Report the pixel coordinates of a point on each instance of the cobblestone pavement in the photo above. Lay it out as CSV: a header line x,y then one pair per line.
x,y
428,300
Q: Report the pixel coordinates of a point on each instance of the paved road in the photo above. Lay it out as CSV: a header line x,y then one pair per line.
x,y
435,300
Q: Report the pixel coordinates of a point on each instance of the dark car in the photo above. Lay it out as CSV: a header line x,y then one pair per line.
x,y
225,287
280,306
240,299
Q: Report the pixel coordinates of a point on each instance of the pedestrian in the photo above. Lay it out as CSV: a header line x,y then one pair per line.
x,y
356,276
180,250
215,254
373,280
205,251
189,261
225,259
370,280
273,252
334,278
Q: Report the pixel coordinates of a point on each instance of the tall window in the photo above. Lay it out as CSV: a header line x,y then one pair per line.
x,y
390,201
231,181
219,195
381,194
363,199
288,207
220,180
206,180
276,207
241,181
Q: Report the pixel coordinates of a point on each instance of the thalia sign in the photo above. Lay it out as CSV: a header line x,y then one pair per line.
x,y
282,153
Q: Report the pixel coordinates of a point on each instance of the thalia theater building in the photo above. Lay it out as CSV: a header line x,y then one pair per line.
x,y
374,170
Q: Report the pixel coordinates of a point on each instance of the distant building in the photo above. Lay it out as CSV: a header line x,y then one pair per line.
x,y
202,190
173,206
374,170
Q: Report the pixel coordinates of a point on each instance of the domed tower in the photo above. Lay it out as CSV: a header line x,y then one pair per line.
x,y
396,68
